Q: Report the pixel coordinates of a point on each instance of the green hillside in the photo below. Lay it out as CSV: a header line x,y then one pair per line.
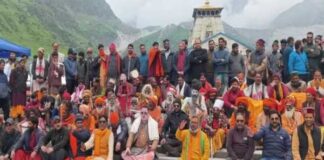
x,y
73,23
174,33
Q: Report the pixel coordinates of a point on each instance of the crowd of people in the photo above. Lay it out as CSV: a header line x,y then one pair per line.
x,y
188,103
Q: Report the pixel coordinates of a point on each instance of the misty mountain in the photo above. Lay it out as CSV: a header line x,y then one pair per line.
x,y
306,13
73,23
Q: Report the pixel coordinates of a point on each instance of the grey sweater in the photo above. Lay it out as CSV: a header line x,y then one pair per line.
x,y
236,64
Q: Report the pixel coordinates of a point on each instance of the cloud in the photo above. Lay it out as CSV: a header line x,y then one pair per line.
x,y
238,13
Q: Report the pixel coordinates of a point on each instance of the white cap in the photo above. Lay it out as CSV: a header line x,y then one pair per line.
x,y
218,104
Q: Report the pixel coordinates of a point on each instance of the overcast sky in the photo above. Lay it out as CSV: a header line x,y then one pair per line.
x,y
238,13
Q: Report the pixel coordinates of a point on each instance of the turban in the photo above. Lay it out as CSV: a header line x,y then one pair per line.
x,y
271,103
218,104
309,110
261,42
154,99
311,91
67,96
290,100
87,93
243,101
172,90
114,118
100,101
210,92
84,109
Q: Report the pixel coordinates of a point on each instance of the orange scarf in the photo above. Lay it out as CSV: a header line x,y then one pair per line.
x,y
155,59
101,138
280,93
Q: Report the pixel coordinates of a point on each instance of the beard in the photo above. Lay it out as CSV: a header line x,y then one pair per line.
x,y
193,130
290,114
296,84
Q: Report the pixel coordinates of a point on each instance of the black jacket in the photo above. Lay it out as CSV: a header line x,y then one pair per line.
x,y
58,138
172,122
198,60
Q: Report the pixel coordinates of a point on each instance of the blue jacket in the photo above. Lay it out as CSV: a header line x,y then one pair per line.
x,y
285,58
221,61
298,63
276,144
23,141
70,68
143,58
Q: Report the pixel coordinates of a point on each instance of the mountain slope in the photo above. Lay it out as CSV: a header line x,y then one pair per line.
x,y
306,13
172,32
73,23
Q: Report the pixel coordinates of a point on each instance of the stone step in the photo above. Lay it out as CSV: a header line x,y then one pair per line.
x,y
220,155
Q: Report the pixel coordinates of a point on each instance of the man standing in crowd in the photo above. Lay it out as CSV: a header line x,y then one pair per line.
x,y
239,145
283,45
11,64
313,53
101,65
56,48
275,60
181,64
221,59
91,72
210,63
39,70
143,58
298,61
168,61
285,58
130,62
5,90
198,59
114,63
71,72
307,139
195,143
156,69
236,62
257,62
276,141
81,68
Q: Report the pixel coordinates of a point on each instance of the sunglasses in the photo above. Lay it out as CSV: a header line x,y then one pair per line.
x,y
8,124
176,105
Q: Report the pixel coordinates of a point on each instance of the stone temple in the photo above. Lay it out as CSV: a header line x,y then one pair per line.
x,y
208,25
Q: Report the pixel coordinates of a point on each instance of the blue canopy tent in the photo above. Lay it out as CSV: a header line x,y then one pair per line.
x,y
6,47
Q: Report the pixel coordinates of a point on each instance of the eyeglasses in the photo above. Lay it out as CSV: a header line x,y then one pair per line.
x,y
8,124
176,105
